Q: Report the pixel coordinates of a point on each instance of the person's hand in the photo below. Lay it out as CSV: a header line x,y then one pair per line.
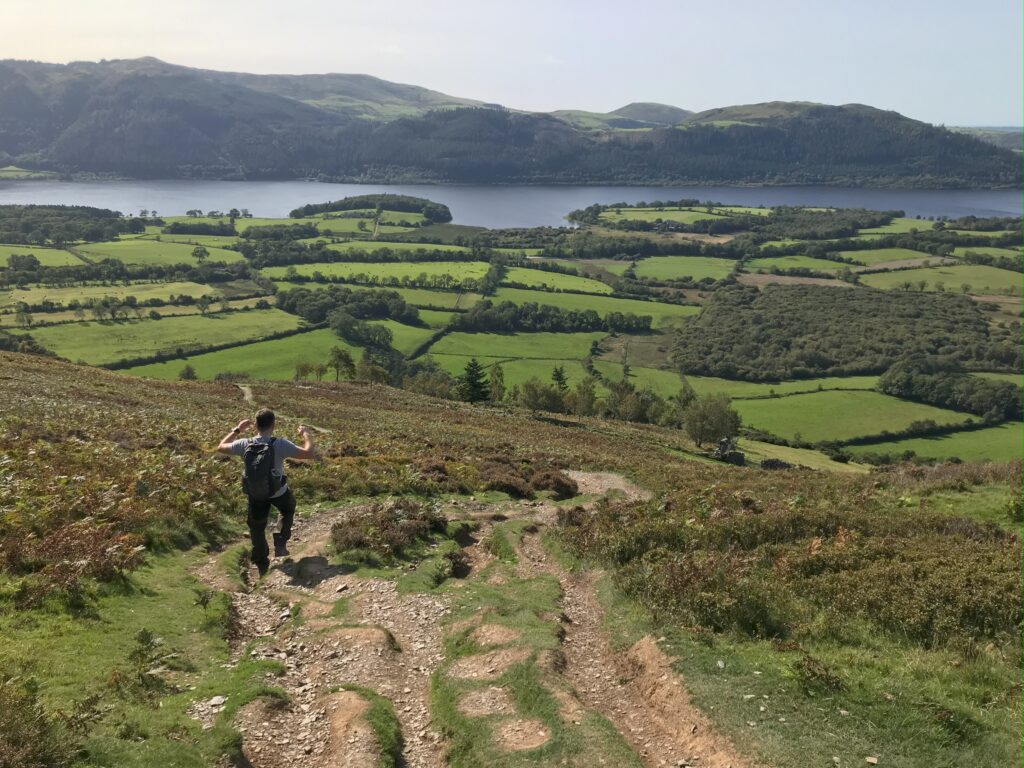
x,y
303,430
243,425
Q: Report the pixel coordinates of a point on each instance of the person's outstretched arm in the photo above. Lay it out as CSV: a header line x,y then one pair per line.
x,y
230,437
307,450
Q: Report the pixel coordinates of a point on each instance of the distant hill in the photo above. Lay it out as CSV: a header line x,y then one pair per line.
x,y
144,118
1005,137
351,95
651,112
753,113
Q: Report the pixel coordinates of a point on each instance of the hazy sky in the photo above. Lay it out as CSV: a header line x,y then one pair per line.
x,y
945,61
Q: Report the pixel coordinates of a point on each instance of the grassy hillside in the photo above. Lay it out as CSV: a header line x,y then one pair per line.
x,y
868,608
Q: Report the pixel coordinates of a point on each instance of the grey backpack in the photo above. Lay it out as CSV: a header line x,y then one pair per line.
x,y
258,479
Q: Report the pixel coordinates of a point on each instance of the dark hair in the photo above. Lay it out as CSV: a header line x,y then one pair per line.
x,y
264,419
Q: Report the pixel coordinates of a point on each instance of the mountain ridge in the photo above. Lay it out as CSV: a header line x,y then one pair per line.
x,y
144,118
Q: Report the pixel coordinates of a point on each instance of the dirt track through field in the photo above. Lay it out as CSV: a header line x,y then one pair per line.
x,y
391,644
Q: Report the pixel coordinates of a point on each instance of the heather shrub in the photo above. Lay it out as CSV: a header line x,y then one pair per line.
x,y
387,529
508,483
29,738
936,580
560,484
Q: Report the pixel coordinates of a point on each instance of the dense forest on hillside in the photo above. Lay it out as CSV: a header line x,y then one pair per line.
x,y
801,331
144,118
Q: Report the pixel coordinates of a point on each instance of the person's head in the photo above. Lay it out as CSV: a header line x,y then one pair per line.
x,y
264,420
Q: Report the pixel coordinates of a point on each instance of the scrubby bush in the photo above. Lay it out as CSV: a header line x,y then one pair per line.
x,y
509,483
560,484
29,738
387,530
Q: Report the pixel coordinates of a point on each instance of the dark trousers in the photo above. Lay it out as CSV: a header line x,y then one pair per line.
x,y
259,511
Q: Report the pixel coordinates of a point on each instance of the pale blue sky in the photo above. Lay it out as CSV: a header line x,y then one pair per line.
x,y
944,61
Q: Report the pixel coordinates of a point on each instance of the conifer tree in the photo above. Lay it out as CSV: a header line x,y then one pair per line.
x,y
558,377
473,387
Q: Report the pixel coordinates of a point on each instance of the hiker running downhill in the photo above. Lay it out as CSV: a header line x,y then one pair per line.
x,y
264,481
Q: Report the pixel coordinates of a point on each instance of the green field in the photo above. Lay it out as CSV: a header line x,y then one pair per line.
x,y
614,266
37,294
436,318
405,338
883,255
662,313
8,319
142,291
275,359
1009,253
543,346
779,243
899,226
792,262
362,271
680,215
515,371
677,267
1002,443
14,173
152,252
210,241
837,415
537,278
108,342
372,246
755,451
48,257
745,210
1016,378
667,383
980,233
981,278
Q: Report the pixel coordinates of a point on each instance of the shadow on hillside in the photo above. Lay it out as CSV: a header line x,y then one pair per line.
x,y
311,571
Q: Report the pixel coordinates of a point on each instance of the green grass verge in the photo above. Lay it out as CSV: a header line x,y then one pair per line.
x,y
72,657
383,721
528,605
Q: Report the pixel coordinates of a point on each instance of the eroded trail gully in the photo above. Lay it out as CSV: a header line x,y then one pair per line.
x,y
356,634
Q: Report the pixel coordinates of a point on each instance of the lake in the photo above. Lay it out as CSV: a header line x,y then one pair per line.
x,y
489,206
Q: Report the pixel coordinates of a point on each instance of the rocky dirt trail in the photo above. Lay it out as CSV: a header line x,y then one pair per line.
x,y
337,635
637,690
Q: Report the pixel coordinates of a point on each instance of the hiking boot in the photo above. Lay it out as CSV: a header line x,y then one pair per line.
x,y
280,546
263,568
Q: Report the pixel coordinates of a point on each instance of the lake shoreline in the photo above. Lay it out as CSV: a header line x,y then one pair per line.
x,y
76,178
493,206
